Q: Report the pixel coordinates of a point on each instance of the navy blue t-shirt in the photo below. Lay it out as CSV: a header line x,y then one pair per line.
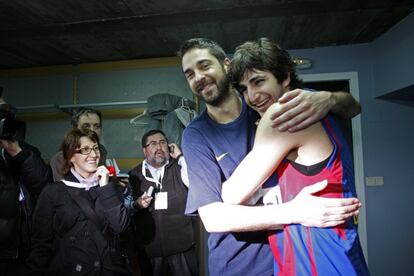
x,y
212,152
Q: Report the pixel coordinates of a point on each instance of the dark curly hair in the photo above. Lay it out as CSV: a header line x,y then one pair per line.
x,y
265,55
202,43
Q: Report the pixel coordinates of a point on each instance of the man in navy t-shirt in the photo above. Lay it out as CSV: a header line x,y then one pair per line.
x,y
216,142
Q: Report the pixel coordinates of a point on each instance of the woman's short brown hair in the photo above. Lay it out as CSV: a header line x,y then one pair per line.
x,y
71,143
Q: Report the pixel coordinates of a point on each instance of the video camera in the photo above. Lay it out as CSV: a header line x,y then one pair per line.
x,y
10,128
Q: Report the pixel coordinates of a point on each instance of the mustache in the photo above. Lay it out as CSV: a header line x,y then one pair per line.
x,y
200,86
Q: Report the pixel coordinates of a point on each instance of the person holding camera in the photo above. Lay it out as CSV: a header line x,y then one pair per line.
x,y
159,185
78,220
23,174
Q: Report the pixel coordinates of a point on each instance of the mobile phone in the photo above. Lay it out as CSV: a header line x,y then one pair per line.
x,y
150,190
171,149
122,176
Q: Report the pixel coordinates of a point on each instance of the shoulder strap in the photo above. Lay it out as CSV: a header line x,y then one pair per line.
x,y
86,209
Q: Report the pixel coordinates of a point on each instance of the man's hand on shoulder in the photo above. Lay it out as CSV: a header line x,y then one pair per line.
x,y
300,108
314,211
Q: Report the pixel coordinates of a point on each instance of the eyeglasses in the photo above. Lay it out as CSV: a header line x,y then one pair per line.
x,y
154,144
88,150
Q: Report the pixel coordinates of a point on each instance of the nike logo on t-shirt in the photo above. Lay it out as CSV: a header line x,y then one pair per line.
x,y
221,156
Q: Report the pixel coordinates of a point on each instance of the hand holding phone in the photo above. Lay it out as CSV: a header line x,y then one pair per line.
x,y
150,190
145,199
102,175
174,150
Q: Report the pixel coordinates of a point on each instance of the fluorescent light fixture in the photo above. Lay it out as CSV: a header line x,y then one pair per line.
x,y
302,63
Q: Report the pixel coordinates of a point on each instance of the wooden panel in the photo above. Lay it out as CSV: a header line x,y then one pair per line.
x,y
92,67
115,113
43,116
126,164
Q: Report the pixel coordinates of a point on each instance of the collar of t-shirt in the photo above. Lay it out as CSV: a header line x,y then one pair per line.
x,y
157,174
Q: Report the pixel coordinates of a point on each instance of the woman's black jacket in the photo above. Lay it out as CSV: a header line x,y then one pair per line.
x,y
66,242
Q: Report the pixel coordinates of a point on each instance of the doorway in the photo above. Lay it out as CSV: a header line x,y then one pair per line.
x,y
347,81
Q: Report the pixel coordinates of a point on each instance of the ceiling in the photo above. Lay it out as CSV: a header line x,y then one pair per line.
x,y
54,32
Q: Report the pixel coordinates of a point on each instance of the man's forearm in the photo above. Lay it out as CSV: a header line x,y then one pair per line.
x,y
184,173
223,217
344,105
305,209
35,174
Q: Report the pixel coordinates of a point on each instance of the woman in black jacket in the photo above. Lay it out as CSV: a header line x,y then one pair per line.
x,y
77,221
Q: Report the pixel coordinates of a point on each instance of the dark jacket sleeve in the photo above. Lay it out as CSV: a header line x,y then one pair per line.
x,y
30,169
42,235
135,181
115,213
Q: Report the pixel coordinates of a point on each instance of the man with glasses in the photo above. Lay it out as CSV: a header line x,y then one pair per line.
x,y
160,185
84,118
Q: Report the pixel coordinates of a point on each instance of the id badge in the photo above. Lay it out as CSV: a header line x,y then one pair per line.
x,y
272,196
161,201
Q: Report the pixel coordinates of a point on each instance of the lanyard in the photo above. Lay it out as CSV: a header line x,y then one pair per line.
x,y
158,183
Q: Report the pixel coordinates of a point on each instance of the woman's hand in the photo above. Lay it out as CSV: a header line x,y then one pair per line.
x,y
102,175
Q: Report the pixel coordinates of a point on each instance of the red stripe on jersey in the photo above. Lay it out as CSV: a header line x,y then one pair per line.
x,y
275,250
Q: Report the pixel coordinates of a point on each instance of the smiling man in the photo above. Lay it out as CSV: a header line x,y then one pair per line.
x,y
216,142
316,153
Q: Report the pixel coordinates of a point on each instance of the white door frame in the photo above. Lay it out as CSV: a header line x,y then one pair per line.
x,y
352,77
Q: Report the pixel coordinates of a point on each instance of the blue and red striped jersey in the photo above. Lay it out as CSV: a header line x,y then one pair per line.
x,y
300,250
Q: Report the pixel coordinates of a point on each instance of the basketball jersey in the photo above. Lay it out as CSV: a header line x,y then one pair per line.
x,y
300,250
